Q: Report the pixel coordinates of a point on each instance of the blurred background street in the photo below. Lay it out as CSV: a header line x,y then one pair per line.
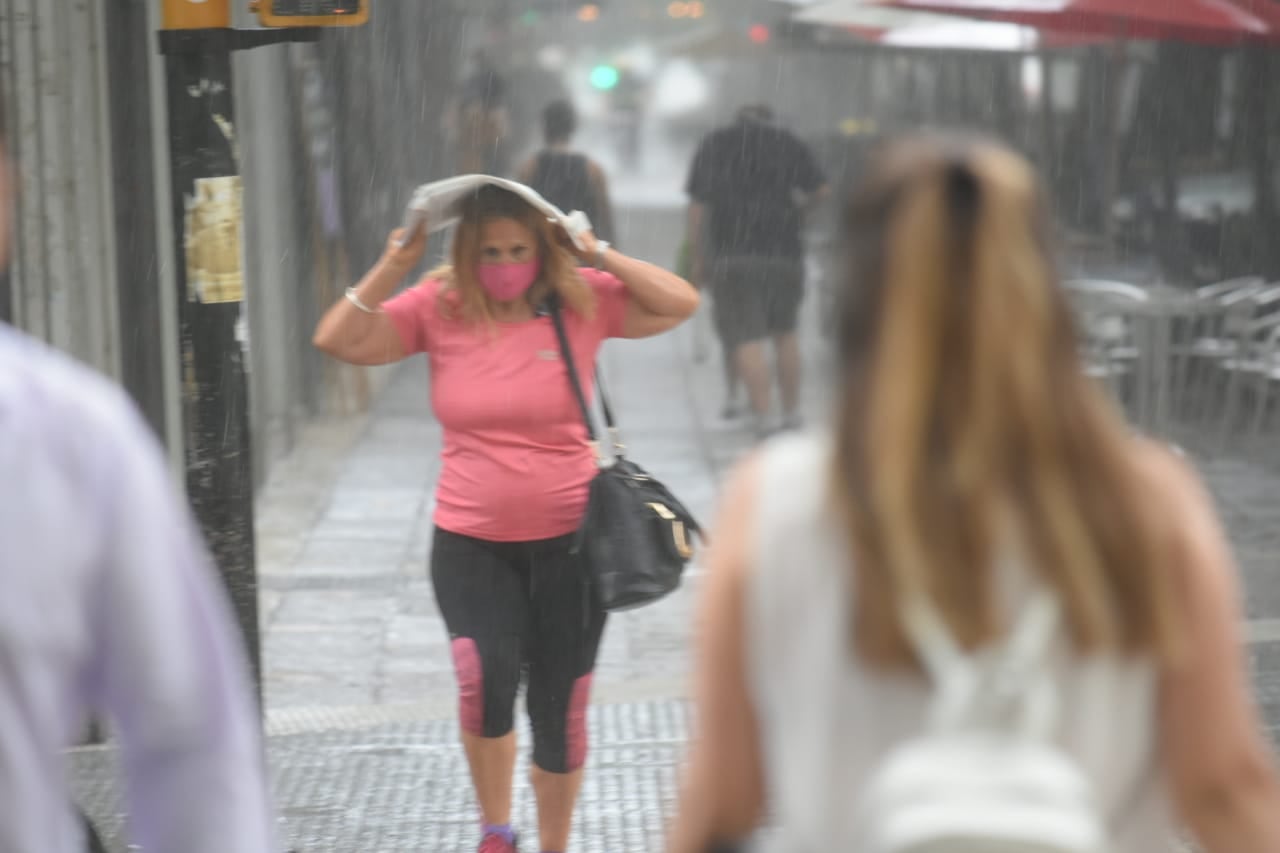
x,y
1159,155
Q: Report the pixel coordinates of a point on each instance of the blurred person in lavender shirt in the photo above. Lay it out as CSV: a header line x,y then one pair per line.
x,y
109,606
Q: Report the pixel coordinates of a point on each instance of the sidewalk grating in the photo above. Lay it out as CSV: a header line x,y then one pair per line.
x,y
403,787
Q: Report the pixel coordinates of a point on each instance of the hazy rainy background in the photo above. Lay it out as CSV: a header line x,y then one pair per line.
x,y
1160,159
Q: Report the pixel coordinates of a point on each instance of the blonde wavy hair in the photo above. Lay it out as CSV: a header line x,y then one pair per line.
x,y
461,296
966,416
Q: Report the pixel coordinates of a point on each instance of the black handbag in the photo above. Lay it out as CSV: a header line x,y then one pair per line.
x,y
637,537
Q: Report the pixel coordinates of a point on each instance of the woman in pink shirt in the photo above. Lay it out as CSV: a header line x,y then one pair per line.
x,y
516,467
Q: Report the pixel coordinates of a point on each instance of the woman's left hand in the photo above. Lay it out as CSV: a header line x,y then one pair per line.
x,y
590,250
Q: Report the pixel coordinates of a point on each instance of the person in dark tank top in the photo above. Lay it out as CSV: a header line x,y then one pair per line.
x,y
569,179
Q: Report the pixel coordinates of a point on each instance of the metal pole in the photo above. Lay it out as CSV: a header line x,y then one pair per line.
x,y
1048,120
166,260
1258,64
207,220
127,88
1117,64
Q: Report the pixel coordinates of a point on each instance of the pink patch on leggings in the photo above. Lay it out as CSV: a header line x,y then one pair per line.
x,y
576,729
470,674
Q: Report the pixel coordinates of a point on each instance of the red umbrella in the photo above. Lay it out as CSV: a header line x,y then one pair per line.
x,y
869,21
1266,10
1183,20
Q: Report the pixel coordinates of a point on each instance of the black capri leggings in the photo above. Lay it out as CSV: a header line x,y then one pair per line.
x,y
513,607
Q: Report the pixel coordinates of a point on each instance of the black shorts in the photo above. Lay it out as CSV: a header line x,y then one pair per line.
x,y
756,297
514,607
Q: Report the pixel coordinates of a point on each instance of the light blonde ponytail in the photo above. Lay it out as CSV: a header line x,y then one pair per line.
x,y
968,429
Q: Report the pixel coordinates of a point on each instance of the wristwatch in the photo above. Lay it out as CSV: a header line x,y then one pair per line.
x,y
602,247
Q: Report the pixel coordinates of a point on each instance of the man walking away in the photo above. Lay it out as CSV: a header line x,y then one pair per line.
x,y
749,187
566,178
479,123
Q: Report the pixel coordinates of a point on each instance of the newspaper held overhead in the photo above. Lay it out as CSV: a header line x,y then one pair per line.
x,y
437,205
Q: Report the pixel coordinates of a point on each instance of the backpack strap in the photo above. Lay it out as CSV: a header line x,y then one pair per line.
x,y
1027,649
1023,672
932,640
953,672
1018,676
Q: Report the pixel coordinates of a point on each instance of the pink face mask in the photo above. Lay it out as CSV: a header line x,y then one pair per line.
x,y
508,282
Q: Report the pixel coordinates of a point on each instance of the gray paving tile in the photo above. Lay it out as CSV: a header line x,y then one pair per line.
x,y
356,609
277,552
384,504
392,531
346,552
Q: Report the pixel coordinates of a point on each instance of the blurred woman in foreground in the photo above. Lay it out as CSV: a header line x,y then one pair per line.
x,y
971,463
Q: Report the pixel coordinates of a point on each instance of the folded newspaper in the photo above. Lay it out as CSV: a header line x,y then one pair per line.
x,y
438,205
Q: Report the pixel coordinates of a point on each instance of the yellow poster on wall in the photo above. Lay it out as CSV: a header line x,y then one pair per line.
x,y
215,214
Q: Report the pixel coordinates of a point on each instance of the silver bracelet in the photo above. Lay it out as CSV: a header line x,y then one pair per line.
x,y
354,299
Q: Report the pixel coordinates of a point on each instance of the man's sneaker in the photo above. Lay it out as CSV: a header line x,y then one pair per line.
x,y
792,423
762,428
497,844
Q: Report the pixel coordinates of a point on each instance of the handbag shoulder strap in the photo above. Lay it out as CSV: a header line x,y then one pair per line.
x,y
575,380
570,365
606,406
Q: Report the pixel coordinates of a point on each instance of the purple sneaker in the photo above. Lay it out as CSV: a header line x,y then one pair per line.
x,y
494,843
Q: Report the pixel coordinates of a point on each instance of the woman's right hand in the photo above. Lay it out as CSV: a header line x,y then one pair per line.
x,y
357,331
405,256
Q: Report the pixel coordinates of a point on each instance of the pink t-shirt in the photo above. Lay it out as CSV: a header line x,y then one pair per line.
x,y
516,463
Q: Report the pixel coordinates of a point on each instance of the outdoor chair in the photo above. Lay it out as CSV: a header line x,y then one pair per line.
x,y
1105,288
1251,378
1209,337
1266,301
1109,349
1231,286
1228,340
1269,396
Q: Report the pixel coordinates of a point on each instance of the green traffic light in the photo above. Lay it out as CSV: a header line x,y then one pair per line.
x,y
604,77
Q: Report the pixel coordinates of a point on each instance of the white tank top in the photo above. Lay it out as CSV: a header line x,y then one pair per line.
x,y
827,720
